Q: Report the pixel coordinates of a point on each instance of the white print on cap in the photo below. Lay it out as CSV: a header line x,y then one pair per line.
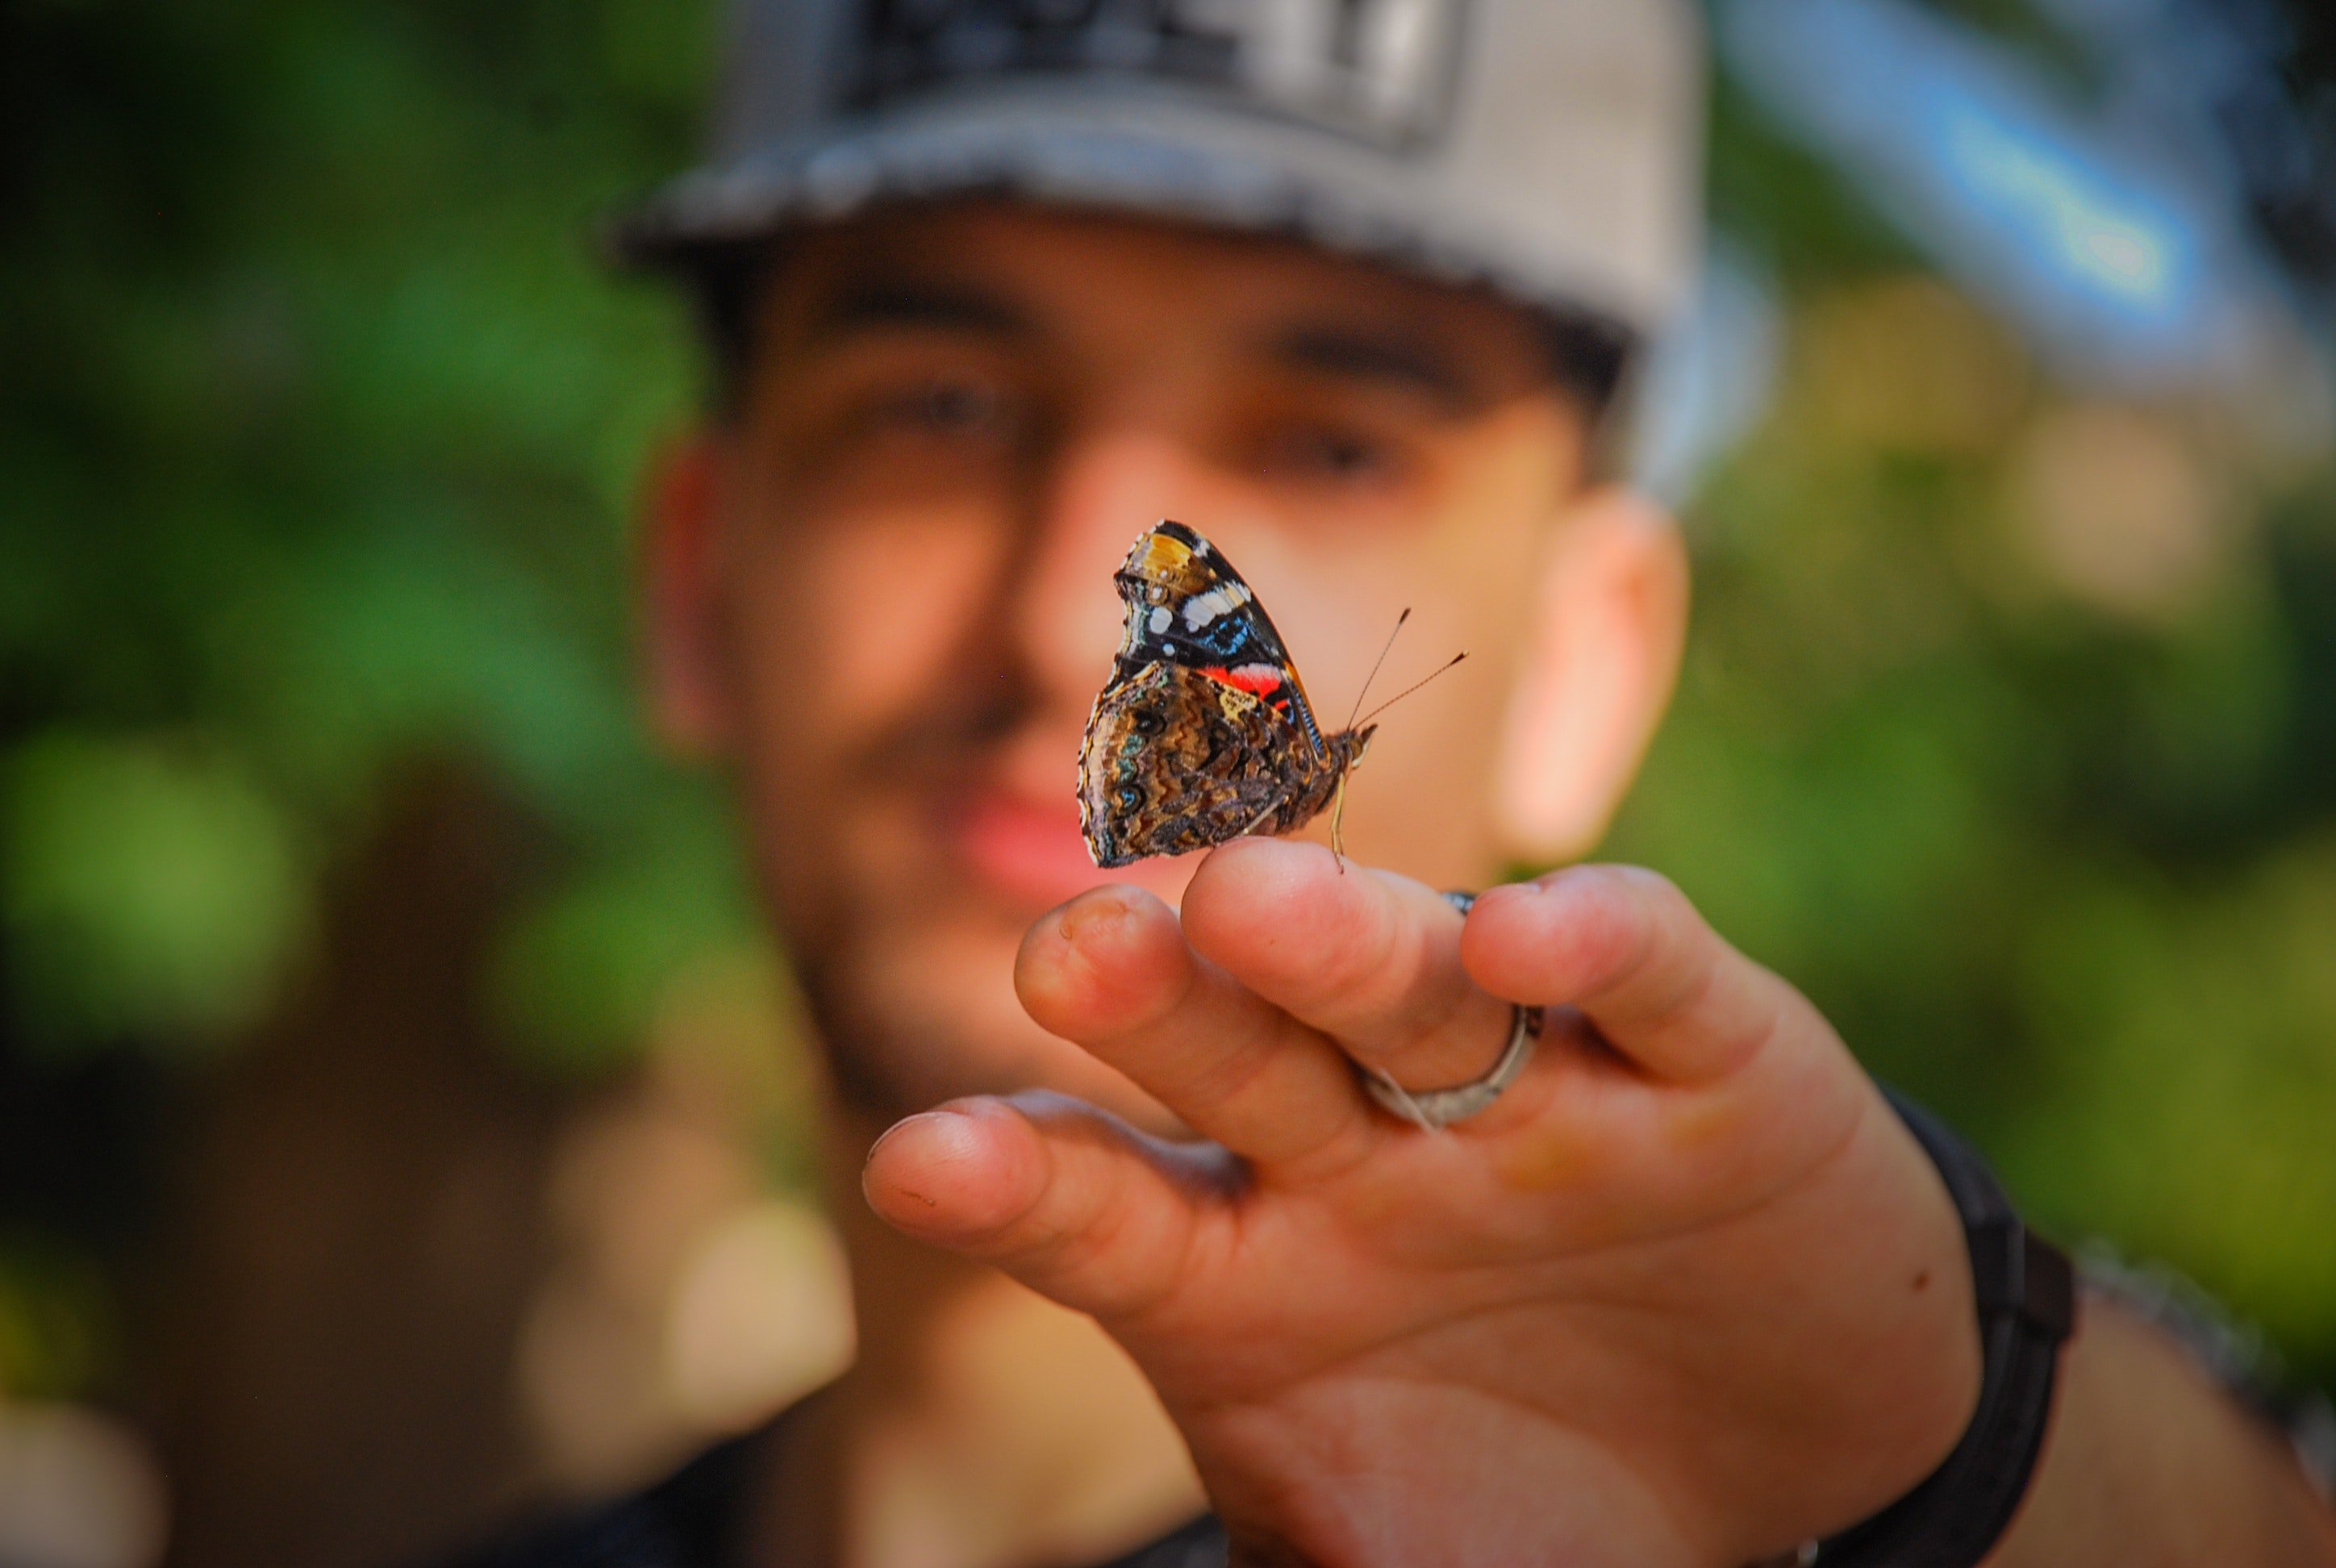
x,y
1383,62
1381,69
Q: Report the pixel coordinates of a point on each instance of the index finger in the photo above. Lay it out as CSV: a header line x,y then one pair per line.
x,y
1627,949
1111,971
1368,958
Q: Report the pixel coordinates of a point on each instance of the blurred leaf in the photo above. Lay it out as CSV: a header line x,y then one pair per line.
x,y
149,892
57,1330
2193,1036
583,973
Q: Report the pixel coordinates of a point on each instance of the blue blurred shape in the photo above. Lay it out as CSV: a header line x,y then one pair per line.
x,y
2086,231
2109,257
1710,378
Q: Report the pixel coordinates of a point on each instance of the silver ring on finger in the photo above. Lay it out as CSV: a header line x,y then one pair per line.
x,y
1434,1109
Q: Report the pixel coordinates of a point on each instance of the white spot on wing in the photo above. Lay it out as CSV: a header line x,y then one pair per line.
x,y
1203,608
1160,621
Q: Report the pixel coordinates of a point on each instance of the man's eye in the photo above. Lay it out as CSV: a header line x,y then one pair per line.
x,y
946,408
1340,455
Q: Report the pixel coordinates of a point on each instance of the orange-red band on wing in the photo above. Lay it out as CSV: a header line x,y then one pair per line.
x,y
1263,679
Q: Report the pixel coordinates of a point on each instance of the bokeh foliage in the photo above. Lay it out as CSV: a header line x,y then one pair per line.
x,y
320,421
319,426
320,431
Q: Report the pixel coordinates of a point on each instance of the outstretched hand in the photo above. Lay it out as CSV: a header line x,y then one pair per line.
x,y
1686,1294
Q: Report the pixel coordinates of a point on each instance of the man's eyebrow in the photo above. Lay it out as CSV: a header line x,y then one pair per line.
x,y
1398,358
897,302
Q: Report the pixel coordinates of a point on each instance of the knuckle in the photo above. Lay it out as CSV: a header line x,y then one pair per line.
x,y
1234,1069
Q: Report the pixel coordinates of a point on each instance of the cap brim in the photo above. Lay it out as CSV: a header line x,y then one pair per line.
x,y
1120,154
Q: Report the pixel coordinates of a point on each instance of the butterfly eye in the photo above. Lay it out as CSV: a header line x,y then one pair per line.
x,y
1148,723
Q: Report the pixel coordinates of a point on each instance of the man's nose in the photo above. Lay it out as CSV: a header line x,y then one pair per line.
x,y
1101,493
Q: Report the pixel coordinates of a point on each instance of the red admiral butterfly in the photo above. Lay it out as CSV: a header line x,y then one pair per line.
x,y
1202,733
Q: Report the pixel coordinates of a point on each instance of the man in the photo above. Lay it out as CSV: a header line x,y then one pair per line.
x,y
1346,287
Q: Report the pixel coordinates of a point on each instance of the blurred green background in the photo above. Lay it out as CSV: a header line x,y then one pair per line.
x,y
340,884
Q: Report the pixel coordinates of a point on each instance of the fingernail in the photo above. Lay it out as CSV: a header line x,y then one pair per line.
x,y
883,1138
895,1129
1091,912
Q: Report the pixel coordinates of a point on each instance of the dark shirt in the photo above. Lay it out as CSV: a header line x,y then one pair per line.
x,y
697,1517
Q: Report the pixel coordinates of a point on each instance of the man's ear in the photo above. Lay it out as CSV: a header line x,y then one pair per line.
x,y
1599,664
689,697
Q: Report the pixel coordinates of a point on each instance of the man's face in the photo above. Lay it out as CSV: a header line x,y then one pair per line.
x,y
958,421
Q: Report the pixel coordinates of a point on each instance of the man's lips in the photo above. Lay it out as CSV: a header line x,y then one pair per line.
x,y
1033,855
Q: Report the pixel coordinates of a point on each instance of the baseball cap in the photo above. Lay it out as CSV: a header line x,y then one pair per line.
x,y
1547,149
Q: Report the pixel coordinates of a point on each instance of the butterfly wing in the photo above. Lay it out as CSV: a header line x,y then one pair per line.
x,y
1175,761
1186,604
1203,732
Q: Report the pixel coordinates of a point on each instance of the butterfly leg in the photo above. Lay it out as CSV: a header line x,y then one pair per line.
x,y
1258,821
1337,820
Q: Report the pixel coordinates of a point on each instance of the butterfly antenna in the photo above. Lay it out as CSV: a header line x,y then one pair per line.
x,y
1407,691
1384,651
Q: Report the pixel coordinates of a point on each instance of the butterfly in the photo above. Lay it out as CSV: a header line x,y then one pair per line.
x,y
1203,732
